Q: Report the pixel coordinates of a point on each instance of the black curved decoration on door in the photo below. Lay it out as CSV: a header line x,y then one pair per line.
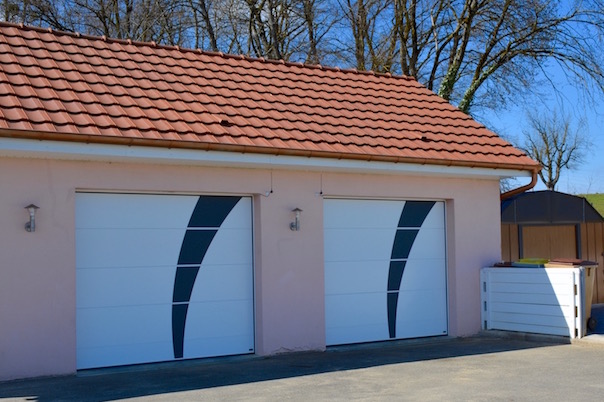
x,y
209,213
412,217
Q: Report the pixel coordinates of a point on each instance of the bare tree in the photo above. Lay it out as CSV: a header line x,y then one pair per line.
x,y
464,49
553,142
373,33
162,21
487,49
277,29
16,11
35,12
203,25
311,30
463,46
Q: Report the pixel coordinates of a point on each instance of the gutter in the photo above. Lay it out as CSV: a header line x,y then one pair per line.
x,y
42,136
520,190
23,148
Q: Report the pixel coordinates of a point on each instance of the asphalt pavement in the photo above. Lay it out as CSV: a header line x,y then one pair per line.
x,y
494,366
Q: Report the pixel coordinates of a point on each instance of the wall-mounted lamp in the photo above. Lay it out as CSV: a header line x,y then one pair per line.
x,y
295,225
31,225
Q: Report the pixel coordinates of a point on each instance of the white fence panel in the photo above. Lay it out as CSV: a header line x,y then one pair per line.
x,y
537,300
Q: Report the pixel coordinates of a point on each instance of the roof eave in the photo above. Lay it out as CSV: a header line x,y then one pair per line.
x,y
235,148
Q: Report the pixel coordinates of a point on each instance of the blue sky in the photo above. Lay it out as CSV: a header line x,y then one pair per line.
x,y
588,177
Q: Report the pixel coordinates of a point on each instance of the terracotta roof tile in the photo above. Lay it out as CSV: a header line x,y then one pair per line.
x,y
74,84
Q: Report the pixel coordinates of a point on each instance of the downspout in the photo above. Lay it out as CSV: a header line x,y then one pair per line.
x,y
522,189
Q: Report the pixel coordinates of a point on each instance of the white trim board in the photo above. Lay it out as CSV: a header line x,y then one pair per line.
x,y
25,148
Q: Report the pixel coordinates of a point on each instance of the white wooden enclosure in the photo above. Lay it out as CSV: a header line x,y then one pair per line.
x,y
537,300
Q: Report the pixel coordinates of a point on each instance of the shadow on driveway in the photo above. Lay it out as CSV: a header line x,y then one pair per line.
x,y
166,378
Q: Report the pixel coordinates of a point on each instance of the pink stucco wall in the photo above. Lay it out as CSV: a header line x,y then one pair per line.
x,y
37,270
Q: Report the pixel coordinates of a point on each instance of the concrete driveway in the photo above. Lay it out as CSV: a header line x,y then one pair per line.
x,y
482,368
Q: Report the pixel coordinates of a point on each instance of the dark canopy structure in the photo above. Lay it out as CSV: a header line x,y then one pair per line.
x,y
548,207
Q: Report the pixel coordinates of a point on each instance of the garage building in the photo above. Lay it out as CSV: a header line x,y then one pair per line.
x,y
194,205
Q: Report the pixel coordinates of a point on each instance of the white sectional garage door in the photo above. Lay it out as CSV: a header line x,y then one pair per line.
x,y
162,277
385,270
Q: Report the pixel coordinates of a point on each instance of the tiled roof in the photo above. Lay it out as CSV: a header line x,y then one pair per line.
x,y
72,87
